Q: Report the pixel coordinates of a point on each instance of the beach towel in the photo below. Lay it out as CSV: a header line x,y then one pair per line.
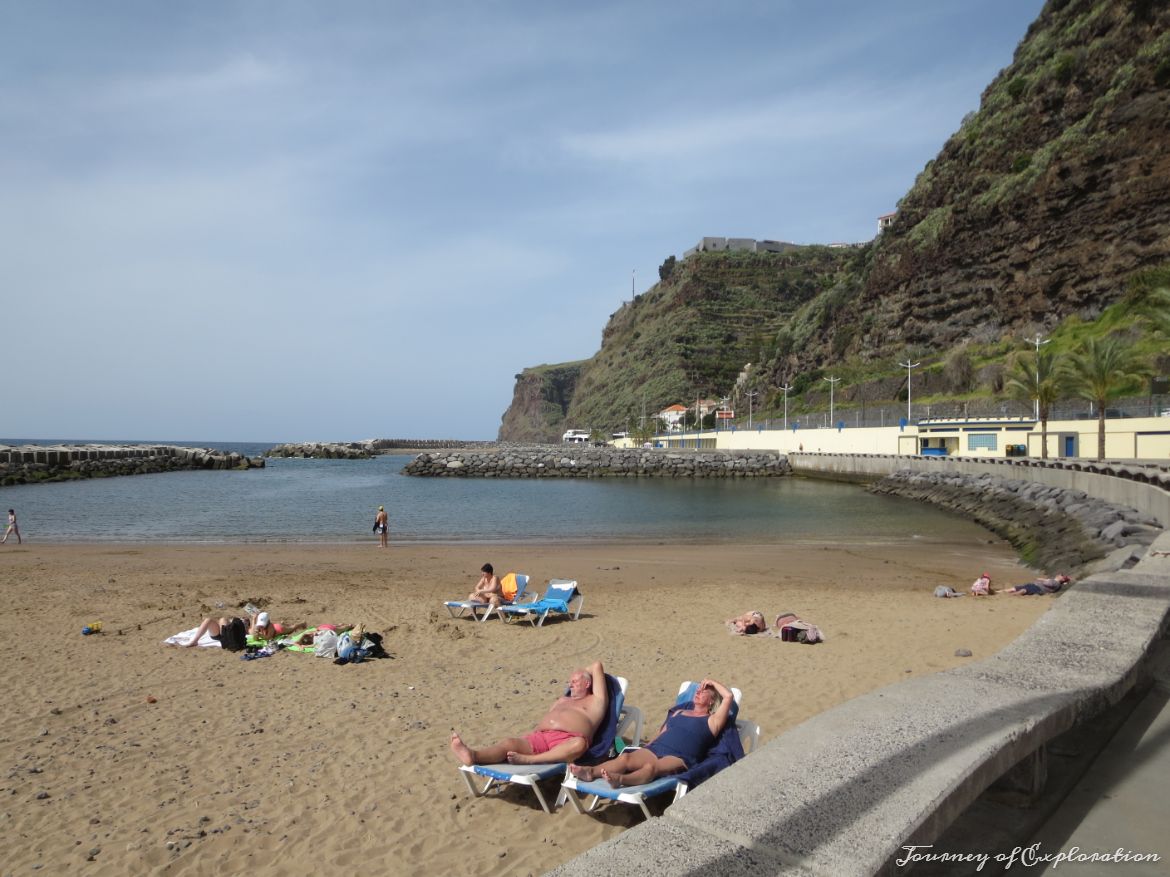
x,y
603,739
508,587
184,636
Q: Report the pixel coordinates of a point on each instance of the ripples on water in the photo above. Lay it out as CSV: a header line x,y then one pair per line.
x,y
335,501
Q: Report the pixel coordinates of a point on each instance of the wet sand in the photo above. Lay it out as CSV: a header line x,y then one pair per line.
x,y
292,762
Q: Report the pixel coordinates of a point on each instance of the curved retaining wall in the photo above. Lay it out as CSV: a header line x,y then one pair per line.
x,y
579,462
31,464
843,792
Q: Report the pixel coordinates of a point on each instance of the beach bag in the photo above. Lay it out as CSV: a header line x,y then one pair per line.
x,y
508,587
233,636
325,644
945,591
350,646
801,632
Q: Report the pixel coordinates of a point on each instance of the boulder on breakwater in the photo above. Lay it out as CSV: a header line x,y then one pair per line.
x,y
1053,528
33,464
581,462
323,450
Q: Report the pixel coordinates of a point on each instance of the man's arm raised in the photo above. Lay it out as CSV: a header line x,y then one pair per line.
x,y
600,690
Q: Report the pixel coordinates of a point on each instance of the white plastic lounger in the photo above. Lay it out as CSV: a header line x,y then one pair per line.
x,y
456,608
499,775
572,788
558,599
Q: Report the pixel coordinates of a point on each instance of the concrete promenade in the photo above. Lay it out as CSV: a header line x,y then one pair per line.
x,y
846,792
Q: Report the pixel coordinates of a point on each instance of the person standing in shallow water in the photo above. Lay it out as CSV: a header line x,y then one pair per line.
x,y
381,526
12,528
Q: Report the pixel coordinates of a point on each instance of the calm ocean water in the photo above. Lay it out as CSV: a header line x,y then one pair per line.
x,y
335,501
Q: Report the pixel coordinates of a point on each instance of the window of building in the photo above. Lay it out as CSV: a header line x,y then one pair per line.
x,y
983,441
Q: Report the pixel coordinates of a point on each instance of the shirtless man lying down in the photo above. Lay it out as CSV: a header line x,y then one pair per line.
x,y
563,734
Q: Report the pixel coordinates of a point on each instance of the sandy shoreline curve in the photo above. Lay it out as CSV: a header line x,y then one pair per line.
x,y
291,761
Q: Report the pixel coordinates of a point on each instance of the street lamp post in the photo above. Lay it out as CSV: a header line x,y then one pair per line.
x,y
751,395
832,386
786,388
908,365
1038,341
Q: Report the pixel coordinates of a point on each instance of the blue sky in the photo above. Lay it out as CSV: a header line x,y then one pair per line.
x,y
306,221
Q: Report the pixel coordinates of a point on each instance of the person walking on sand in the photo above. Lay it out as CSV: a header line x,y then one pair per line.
x,y
12,528
565,732
381,526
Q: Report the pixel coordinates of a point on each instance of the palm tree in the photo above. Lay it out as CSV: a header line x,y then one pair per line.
x,y
1103,370
1037,378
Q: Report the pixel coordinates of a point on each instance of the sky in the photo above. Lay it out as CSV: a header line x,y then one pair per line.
x,y
308,221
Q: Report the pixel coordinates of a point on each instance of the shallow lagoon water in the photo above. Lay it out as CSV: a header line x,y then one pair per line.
x,y
335,501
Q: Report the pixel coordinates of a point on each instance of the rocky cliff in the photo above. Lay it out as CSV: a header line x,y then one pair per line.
x,y
1048,198
1041,208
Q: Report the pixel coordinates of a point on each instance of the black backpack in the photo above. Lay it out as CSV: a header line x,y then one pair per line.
x,y
233,636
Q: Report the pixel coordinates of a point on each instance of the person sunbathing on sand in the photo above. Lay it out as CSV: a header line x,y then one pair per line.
x,y
263,627
682,742
748,623
1040,586
260,627
563,734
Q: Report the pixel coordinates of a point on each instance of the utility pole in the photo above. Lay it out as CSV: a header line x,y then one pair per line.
x,y
786,388
751,395
908,365
832,386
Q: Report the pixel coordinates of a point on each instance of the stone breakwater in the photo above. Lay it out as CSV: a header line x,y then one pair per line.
x,y
578,462
32,464
323,450
1053,528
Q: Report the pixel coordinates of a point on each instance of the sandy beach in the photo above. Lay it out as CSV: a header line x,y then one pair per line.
x,y
292,762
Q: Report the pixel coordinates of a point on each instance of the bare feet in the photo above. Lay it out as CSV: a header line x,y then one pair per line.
x,y
461,750
519,758
581,773
615,780
194,642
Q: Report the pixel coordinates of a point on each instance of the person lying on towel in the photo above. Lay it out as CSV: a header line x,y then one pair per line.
x,y
681,742
563,734
748,623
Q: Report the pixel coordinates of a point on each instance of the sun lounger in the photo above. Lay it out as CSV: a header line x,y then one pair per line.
x,y
622,721
458,607
739,737
559,599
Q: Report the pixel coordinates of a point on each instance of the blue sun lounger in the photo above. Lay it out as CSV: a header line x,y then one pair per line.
x,y
559,599
457,607
621,720
739,737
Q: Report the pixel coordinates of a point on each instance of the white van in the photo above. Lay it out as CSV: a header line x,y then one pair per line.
x,y
576,436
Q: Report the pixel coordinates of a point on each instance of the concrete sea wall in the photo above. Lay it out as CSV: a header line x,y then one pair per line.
x,y
581,462
31,464
844,792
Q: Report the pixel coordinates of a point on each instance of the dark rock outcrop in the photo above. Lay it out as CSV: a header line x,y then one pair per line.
x,y
33,464
1052,528
578,462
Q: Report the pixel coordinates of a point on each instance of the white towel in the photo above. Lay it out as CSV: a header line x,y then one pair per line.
x,y
184,636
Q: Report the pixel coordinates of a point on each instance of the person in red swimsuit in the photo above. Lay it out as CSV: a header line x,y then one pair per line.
x,y
563,734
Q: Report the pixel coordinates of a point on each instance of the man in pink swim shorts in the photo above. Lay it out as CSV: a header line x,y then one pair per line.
x,y
563,734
